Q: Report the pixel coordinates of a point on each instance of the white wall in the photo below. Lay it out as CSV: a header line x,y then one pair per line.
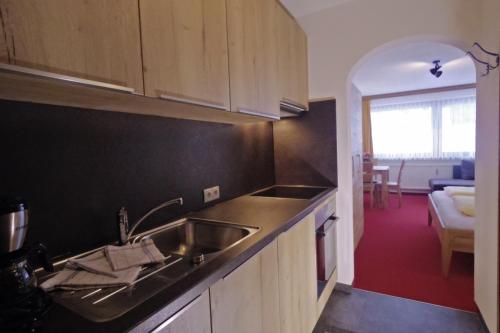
x,y
487,156
339,37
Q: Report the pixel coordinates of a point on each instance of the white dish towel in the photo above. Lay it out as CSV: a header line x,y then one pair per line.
x,y
110,267
143,253
93,271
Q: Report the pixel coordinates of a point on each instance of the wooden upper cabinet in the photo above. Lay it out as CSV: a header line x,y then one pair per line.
x,y
91,39
303,67
4,54
185,50
253,57
292,59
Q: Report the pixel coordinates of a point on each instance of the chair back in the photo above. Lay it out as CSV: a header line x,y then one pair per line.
x,y
367,172
403,162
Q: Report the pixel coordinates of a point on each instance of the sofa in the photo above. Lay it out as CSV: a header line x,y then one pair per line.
x,y
463,175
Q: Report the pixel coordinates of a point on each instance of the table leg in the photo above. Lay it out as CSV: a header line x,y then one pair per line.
x,y
385,189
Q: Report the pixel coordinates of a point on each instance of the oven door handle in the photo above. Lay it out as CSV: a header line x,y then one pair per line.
x,y
333,219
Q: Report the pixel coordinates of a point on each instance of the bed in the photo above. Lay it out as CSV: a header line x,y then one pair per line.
x,y
455,230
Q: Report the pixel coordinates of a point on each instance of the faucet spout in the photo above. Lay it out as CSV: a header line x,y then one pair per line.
x,y
123,222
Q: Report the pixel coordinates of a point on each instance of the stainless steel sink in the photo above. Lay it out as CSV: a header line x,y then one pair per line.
x,y
180,242
192,237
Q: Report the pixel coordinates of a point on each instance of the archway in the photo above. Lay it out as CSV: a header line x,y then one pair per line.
x,y
354,99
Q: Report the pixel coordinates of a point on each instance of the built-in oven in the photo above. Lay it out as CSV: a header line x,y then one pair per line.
x,y
326,241
326,248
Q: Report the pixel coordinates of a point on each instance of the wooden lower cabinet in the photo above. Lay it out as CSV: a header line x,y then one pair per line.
x,y
193,318
273,291
297,277
247,300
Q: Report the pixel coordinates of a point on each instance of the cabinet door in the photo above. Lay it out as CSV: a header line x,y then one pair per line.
x,y
302,67
297,277
185,50
92,39
194,318
247,300
4,54
356,114
253,56
292,55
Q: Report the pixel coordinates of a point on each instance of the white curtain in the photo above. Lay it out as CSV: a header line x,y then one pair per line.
x,y
458,128
426,129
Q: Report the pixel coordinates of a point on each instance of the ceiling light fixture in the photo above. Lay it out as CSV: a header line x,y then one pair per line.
x,y
436,70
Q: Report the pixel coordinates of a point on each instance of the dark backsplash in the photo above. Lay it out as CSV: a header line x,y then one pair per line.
x,y
305,149
77,167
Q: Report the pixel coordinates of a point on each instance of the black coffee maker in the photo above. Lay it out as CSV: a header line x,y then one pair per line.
x,y
22,303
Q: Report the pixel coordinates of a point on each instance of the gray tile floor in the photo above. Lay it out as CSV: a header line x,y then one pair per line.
x,y
367,312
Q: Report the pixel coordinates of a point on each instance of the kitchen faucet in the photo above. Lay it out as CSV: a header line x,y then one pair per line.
x,y
123,225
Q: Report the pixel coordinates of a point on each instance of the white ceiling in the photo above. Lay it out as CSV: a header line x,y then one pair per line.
x,y
406,68
305,7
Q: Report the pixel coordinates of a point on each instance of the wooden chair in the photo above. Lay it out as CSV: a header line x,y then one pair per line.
x,y
368,182
396,186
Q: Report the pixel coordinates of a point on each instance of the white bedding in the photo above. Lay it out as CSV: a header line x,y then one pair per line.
x,y
450,215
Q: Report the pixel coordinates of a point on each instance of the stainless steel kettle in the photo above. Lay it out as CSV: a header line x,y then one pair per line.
x,y
13,224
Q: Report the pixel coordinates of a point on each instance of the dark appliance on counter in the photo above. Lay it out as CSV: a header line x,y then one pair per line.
x,y
291,192
22,303
326,243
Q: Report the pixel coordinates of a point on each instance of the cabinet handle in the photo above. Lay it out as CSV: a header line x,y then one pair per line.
x,y
293,107
66,78
258,114
193,102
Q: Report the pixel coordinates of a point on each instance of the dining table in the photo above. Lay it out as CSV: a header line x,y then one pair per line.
x,y
383,171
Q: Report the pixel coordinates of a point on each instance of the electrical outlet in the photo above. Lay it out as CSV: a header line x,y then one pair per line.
x,y
211,194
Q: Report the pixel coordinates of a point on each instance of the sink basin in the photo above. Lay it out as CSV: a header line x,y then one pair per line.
x,y
192,237
179,242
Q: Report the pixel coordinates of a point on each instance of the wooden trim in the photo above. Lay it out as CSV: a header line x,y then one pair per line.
x,y
23,88
421,92
321,99
325,295
280,3
452,240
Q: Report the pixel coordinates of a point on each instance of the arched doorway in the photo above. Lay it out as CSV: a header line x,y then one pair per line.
x,y
413,66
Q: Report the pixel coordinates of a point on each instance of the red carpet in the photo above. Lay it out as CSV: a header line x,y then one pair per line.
x,y
399,255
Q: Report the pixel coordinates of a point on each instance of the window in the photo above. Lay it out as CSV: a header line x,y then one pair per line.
x,y
425,127
458,128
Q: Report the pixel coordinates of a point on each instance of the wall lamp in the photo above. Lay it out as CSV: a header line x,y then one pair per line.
x,y
436,70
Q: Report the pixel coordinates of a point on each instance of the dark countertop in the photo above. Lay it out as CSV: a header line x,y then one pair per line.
x,y
271,215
